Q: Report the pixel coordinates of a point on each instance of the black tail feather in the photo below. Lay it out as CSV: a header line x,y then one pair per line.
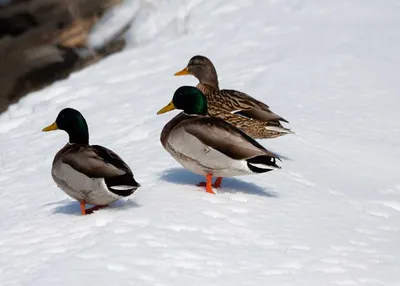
x,y
257,164
122,180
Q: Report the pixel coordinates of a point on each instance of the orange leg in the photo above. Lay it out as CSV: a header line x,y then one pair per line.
x,y
207,184
83,210
216,185
91,210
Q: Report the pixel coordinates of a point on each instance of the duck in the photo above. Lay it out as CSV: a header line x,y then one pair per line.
x,y
210,146
239,109
90,174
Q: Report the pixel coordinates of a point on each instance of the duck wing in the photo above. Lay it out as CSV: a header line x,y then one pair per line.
x,y
226,138
245,105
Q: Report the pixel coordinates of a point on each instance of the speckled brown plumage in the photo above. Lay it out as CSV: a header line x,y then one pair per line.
x,y
241,110
256,129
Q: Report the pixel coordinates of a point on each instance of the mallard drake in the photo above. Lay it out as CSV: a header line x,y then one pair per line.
x,y
210,146
241,110
90,174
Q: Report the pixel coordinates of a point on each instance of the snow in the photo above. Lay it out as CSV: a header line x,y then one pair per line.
x,y
112,23
330,216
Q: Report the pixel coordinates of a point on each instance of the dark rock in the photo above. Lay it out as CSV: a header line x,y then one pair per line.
x,y
39,43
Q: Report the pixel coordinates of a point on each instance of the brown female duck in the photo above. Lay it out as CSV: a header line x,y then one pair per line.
x,y
239,109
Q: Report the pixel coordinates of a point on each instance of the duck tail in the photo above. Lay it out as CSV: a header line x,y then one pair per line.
x,y
123,185
279,129
262,164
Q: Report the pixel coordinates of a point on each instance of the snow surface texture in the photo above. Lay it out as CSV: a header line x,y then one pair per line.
x,y
329,217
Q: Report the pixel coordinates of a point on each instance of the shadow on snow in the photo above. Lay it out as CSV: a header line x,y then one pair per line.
x,y
229,185
73,207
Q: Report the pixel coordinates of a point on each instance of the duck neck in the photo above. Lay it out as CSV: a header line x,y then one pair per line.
x,y
79,136
208,79
206,88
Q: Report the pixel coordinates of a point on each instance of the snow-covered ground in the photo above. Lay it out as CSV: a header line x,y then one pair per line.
x,y
330,216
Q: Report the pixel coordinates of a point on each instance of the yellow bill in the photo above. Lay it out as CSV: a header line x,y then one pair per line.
x,y
185,71
166,108
50,127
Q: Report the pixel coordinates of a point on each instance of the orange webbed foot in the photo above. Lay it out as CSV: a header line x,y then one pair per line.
x,y
90,210
216,185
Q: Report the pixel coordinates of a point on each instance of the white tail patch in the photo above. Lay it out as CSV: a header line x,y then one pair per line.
x,y
265,167
234,111
278,129
122,187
